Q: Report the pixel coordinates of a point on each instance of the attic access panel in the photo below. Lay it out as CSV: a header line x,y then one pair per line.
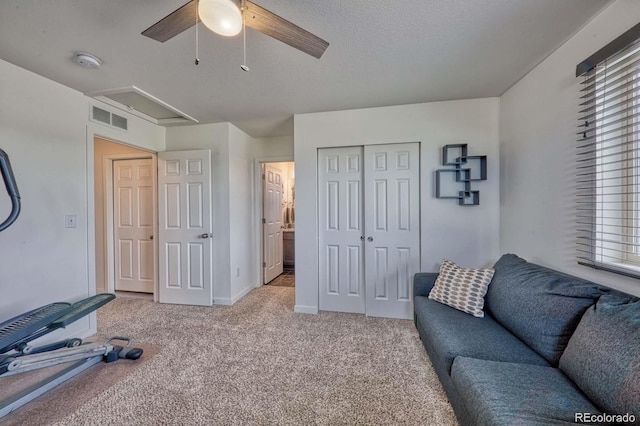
x,y
142,104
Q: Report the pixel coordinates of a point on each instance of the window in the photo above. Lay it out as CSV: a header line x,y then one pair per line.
x,y
608,164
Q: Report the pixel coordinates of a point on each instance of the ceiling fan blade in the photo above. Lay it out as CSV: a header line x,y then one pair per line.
x,y
260,19
173,24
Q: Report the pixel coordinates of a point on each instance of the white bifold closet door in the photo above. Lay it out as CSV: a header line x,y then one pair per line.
x,y
369,236
340,218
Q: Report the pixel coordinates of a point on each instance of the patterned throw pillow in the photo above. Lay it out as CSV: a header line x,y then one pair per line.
x,y
462,288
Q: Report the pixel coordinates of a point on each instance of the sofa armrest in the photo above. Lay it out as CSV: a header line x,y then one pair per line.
x,y
423,282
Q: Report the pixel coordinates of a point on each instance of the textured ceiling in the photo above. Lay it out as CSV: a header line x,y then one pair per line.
x,y
382,52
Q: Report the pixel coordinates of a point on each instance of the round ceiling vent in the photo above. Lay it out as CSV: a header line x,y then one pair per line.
x,y
88,60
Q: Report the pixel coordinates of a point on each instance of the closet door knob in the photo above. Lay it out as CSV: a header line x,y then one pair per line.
x,y
369,239
362,238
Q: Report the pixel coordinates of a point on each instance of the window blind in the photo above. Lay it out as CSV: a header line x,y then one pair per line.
x,y
608,157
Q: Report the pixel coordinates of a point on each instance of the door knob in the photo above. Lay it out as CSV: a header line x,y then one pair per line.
x,y
151,237
369,239
362,238
206,235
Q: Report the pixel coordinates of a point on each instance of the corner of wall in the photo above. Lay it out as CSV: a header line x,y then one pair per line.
x,y
537,151
301,309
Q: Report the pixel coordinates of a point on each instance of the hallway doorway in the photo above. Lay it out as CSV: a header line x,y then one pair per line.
x,y
133,219
125,218
278,223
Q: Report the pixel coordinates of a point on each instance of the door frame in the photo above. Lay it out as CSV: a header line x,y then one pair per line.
x,y
257,211
142,140
108,161
280,270
317,219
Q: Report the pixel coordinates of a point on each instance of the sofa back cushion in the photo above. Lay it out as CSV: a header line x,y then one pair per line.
x,y
539,305
603,355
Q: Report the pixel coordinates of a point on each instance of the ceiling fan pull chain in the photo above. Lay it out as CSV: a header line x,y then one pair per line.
x,y
244,66
197,61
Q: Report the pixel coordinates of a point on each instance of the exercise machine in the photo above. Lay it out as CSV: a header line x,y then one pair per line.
x,y
17,353
12,190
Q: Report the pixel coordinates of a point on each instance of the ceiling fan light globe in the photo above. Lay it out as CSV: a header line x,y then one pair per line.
x,y
220,16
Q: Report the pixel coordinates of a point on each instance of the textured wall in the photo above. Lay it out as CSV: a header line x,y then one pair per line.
x,y
538,119
468,235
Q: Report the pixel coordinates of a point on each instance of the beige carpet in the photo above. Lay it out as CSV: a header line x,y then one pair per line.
x,y
259,363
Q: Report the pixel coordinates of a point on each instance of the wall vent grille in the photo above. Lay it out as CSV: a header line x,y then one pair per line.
x,y
105,117
118,121
100,115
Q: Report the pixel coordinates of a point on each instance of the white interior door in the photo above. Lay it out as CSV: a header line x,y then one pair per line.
x,y
185,238
133,208
272,223
392,228
341,259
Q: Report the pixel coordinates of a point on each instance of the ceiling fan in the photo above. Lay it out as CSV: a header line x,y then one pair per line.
x,y
212,12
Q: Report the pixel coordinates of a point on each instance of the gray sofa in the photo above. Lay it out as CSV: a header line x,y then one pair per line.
x,y
550,346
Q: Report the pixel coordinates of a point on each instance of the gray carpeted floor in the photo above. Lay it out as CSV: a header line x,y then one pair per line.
x,y
257,362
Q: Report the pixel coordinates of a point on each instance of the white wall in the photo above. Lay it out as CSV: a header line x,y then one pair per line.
x,y
467,235
537,152
44,128
243,232
275,147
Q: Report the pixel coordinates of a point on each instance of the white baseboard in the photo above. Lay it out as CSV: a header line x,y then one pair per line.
x,y
300,309
228,301
62,334
83,334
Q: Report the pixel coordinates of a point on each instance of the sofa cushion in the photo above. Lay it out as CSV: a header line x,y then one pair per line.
x,y
461,288
423,283
448,333
540,306
501,393
603,355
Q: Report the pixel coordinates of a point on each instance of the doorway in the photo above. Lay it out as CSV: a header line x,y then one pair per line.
x,y
133,194
278,224
125,219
